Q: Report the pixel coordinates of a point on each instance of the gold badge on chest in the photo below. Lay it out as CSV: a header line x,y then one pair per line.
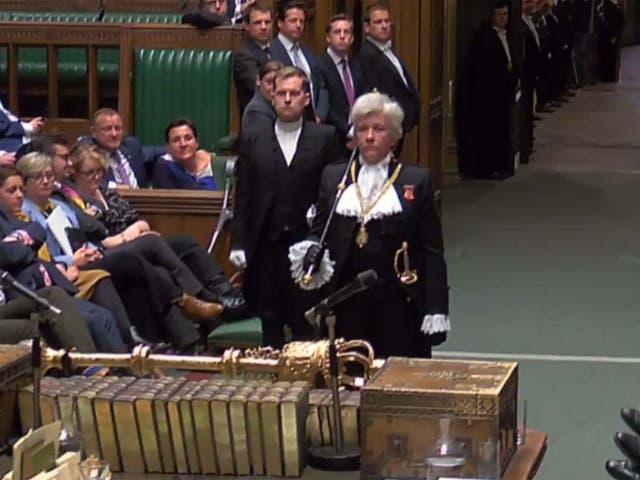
x,y
362,237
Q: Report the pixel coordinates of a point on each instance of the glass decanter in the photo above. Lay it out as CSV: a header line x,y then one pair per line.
x,y
447,459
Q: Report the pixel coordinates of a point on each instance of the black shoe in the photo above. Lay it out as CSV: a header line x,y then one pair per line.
x,y
629,445
631,417
537,118
621,470
155,347
235,305
555,104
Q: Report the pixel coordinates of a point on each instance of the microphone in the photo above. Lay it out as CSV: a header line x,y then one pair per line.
x,y
7,280
363,280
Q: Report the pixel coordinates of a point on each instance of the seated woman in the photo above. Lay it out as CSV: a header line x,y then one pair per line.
x,y
82,325
127,230
156,291
184,166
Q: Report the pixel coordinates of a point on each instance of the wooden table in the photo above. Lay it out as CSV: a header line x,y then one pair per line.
x,y
523,466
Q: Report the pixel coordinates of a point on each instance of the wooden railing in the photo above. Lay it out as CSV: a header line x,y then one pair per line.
x,y
93,36
195,212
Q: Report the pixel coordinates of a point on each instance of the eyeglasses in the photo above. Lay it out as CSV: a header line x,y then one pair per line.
x,y
43,177
94,172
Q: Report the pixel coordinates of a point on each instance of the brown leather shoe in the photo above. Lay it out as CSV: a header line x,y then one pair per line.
x,y
197,308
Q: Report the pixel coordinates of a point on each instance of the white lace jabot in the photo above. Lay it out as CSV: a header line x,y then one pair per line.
x,y
371,179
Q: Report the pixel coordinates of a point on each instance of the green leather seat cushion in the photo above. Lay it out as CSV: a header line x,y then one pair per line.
x,y
243,333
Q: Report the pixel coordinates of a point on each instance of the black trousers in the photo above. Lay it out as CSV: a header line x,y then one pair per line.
x,y
195,257
157,251
273,295
105,295
149,294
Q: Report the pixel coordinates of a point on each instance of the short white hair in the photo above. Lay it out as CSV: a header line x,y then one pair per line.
x,y
376,102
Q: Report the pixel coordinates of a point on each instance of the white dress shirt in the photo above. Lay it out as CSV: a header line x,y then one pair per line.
x,y
386,49
502,35
288,134
337,59
301,61
26,126
113,165
529,23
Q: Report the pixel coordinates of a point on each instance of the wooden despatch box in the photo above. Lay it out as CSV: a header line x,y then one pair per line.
x,y
404,402
15,368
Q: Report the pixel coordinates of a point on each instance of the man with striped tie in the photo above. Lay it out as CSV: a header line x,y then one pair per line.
x,y
128,159
341,76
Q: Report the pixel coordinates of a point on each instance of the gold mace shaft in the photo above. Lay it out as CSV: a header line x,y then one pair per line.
x,y
142,362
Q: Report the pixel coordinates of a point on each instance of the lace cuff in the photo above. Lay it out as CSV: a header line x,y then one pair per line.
x,y
318,279
435,324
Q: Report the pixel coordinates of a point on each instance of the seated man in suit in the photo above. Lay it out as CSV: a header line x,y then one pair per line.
x,y
341,76
286,48
253,53
129,160
260,111
13,133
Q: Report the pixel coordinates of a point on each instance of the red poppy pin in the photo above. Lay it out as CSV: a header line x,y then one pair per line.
x,y
409,192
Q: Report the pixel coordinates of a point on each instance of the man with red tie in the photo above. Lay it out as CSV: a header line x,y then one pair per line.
x,y
341,75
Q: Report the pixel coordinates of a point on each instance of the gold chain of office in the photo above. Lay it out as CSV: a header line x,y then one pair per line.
x,y
362,237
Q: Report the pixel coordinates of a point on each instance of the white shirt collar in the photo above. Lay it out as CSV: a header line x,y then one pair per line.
x,y
288,44
371,178
288,127
288,134
501,31
382,46
337,59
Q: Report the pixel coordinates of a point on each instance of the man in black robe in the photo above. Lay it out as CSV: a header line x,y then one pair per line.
x,y
490,94
611,23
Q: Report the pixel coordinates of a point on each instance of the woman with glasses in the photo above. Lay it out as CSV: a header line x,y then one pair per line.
x,y
125,228
87,322
148,292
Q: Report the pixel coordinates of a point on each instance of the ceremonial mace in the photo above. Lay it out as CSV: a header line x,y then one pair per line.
x,y
340,190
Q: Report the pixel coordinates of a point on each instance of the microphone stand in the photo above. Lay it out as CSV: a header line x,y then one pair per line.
x,y
341,188
42,305
336,457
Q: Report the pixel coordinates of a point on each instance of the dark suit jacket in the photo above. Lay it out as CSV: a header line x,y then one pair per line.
x,y
418,224
247,61
11,133
257,179
141,158
339,109
531,63
379,73
22,260
279,53
203,20
258,114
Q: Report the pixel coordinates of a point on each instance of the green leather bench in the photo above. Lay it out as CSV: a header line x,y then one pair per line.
x,y
172,82
72,61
